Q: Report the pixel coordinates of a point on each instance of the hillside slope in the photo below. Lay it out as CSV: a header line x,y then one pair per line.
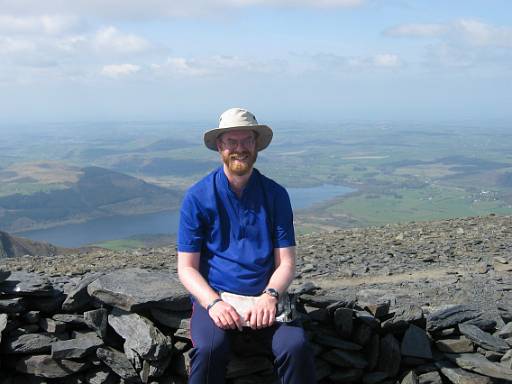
x,y
11,246
98,192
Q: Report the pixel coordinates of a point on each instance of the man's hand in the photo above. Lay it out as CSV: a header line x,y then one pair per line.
x,y
263,314
225,316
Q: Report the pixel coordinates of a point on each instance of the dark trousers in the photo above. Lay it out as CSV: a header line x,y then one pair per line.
x,y
212,345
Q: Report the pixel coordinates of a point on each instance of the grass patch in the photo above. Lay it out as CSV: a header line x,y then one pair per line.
x,y
120,245
431,203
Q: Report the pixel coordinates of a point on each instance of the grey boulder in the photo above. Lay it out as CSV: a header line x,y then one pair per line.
x,y
133,289
46,366
483,339
76,348
140,334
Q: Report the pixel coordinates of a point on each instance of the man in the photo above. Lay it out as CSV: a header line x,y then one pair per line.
x,y
236,235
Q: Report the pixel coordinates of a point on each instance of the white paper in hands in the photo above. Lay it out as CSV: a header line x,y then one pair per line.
x,y
242,304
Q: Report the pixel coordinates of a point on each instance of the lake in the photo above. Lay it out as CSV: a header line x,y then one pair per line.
x,y
119,227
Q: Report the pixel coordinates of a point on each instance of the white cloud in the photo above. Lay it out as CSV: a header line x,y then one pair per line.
x,y
295,3
462,31
477,33
119,70
214,65
110,39
386,60
151,9
9,45
416,30
335,63
46,24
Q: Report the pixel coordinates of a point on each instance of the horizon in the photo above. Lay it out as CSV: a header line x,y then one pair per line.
x,y
301,60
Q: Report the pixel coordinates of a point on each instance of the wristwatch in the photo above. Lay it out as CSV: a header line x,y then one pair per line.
x,y
272,292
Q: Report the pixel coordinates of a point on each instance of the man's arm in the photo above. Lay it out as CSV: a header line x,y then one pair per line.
x,y
263,314
223,314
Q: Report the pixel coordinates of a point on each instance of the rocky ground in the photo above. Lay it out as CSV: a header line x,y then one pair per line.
x,y
376,303
429,263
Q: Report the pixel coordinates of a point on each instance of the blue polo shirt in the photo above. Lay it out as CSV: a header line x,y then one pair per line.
x,y
236,236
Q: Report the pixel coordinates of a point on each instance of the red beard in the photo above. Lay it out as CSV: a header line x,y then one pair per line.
x,y
239,163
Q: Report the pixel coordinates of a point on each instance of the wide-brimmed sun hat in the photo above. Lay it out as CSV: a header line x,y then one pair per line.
x,y
237,119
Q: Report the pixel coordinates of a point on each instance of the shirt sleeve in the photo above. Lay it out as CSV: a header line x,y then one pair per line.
x,y
284,233
191,226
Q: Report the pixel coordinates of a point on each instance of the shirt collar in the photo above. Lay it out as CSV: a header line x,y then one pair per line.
x,y
225,182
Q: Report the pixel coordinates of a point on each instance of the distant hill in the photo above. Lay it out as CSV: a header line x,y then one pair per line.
x,y
99,192
11,246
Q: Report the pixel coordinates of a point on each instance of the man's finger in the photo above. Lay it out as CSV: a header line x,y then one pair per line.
x,y
264,319
259,320
254,318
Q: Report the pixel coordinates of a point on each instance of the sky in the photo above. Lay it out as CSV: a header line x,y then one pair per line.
x,y
314,60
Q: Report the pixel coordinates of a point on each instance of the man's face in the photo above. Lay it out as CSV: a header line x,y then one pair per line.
x,y
238,151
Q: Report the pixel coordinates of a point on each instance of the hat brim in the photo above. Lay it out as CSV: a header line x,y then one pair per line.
x,y
262,141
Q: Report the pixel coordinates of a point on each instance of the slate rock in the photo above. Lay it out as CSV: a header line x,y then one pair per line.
x,y
134,289
378,309
389,355
322,369
99,375
475,362
46,366
371,351
450,316
368,319
483,323
52,326
483,339
97,320
79,298
75,348
140,334
430,378
155,368
334,342
505,332
71,319
456,345
345,359
21,283
457,375
46,304
416,343
402,317
505,314
506,360
323,301
343,321
346,376
4,275
3,324
32,317
362,334
171,319
28,343
12,305
410,378
119,363
374,377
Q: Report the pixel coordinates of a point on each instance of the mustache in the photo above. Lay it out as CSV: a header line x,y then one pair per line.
x,y
239,154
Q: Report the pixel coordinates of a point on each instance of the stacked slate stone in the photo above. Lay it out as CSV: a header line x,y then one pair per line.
x,y
370,343
132,326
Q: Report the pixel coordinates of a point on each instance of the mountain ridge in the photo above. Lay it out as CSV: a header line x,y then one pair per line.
x,y
12,246
99,192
